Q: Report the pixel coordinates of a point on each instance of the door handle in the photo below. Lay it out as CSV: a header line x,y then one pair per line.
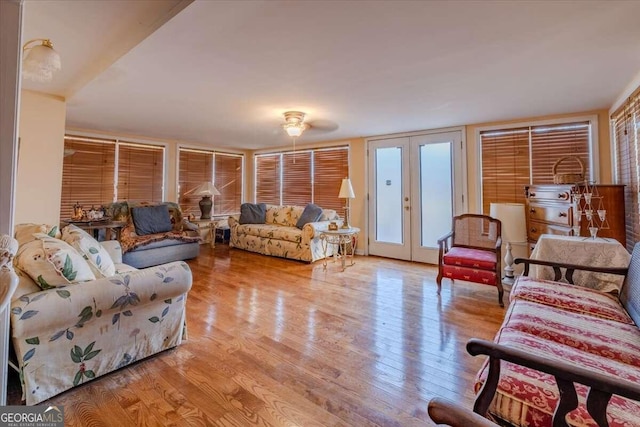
x,y
407,208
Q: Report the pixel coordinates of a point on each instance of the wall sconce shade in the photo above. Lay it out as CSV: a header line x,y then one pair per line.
x,y
39,62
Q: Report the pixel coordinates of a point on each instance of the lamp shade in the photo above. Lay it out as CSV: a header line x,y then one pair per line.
x,y
346,190
514,228
206,189
40,61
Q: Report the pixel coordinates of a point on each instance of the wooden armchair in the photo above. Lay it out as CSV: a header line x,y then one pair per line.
x,y
474,253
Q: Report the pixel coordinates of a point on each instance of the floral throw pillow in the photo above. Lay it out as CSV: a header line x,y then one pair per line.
x,y
52,263
24,232
98,258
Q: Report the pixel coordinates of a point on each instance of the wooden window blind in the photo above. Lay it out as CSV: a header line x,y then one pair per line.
x,y
296,178
228,180
195,167
330,166
140,172
267,181
315,177
505,166
551,143
87,174
514,158
626,133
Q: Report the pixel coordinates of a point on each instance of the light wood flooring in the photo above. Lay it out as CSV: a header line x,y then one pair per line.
x,y
274,342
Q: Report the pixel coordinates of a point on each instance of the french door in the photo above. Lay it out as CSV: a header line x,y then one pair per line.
x,y
416,185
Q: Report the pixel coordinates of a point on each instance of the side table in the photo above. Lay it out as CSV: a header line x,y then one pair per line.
x,y
110,227
346,240
210,226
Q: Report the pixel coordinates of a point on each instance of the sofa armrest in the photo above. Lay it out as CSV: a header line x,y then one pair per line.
x,y
311,230
114,249
566,374
233,222
189,226
569,268
46,313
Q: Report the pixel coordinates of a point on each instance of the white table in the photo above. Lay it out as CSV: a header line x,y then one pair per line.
x,y
345,239
598,252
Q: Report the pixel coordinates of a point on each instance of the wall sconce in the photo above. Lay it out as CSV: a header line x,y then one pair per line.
x,y
39,61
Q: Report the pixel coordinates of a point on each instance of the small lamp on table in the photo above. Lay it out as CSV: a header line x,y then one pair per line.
x,y
346,192
207,190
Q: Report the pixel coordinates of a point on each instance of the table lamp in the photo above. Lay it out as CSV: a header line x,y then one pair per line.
x,y
346,192
514,230
206,190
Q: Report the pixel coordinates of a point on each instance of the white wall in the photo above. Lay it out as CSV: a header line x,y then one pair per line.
x,y
40,153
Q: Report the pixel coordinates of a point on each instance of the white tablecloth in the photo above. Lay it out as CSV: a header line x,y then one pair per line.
x,y
599,252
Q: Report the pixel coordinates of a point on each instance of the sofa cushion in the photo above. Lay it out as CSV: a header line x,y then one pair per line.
x,y
253,213
52,263
151,219
98,258
311,213
281,215
529,397
570,297
277,232
473,258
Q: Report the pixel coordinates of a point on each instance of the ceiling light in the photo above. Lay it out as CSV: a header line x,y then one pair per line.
x,y
39,61
294,125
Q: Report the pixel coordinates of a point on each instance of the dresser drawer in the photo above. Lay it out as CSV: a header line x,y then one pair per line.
x,y
537,228
560,215
537,193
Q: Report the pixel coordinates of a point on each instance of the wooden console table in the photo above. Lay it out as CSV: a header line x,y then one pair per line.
x,y
111,228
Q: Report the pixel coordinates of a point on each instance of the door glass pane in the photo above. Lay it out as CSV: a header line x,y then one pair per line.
x,y
436,192
389,195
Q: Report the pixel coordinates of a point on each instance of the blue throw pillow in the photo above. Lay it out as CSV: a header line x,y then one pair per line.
x,y
253,213
151,219
311,213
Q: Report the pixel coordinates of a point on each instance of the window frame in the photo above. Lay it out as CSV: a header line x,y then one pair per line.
x,y
199,149
104,139
594,152
282,153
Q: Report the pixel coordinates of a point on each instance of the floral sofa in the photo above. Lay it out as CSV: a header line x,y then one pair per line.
x,y
180,242
562,347
280,237
66,331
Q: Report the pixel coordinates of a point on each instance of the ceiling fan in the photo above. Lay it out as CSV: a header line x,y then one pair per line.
x,y
295,124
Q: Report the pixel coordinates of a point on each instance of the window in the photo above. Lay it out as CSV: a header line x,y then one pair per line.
x,y
626,137
301,177
223,169
99,171
516,157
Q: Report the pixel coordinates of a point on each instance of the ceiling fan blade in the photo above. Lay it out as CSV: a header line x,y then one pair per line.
x,y
323,126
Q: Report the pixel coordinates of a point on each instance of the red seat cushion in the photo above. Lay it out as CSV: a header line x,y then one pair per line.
x,y
472,258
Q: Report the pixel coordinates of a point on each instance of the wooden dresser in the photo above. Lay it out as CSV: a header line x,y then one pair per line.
x,y
549,210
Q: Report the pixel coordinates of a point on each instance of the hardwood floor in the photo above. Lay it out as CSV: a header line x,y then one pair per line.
x,y
274,342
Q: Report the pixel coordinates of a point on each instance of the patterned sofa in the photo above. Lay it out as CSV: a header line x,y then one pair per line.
x,y
181,243
562,347
280,237
74,332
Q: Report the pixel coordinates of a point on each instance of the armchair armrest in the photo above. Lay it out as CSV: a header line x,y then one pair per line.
x,y
569,268
602,387
442,411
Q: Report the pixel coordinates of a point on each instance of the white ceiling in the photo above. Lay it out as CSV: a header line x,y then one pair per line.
x,y
223,72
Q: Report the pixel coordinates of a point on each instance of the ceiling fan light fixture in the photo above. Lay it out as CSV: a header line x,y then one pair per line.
x,y
39,62
294,125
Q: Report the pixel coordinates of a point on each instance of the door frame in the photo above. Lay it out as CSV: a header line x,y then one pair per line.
x,y
464,196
